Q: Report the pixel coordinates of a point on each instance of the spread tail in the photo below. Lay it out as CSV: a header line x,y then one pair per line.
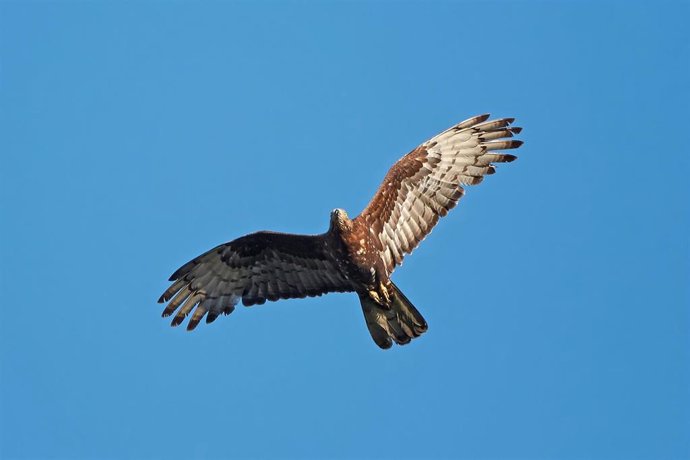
x,y
400,323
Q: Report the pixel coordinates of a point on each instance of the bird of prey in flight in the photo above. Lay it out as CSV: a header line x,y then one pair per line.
x,y
354,255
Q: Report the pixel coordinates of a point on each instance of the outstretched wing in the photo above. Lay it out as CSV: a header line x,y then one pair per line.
x,y
427,182
255,268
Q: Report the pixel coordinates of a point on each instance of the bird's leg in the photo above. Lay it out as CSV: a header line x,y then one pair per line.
x,y
381,295
384,291
375,296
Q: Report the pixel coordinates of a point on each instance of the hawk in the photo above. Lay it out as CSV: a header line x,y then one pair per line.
x,y
354,255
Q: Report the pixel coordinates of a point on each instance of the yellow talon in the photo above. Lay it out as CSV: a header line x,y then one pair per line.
x,y
385,293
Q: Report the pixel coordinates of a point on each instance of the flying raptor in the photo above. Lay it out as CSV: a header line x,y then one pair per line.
x,y
354,255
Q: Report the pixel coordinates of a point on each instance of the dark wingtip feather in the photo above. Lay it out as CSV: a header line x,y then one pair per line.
x,y
175,276
516,130
503,145
169,310
183,270
192,325
177,321
211,317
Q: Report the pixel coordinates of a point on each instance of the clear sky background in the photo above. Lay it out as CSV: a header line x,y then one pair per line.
x,y
136,135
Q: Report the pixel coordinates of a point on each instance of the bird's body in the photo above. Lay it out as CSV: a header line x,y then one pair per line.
x,y
360,261
354,255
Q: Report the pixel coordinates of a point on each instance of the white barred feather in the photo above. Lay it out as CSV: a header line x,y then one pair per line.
x,y
456,157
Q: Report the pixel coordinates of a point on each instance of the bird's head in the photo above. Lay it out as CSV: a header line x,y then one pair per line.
x,y
340,220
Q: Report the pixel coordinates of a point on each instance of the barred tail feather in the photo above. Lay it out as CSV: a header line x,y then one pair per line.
x,y
400,323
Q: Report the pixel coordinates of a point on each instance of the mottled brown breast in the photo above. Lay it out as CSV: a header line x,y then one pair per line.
x,y
365,264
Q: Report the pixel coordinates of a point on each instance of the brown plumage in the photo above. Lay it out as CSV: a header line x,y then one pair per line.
x,y
355,255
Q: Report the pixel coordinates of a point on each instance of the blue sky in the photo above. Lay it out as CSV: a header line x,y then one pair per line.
x,y
134,136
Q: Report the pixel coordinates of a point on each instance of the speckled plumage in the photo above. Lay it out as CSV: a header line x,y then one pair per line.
x,y
355,255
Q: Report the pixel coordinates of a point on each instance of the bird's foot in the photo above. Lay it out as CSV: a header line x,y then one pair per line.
x,y
385,293
375,296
